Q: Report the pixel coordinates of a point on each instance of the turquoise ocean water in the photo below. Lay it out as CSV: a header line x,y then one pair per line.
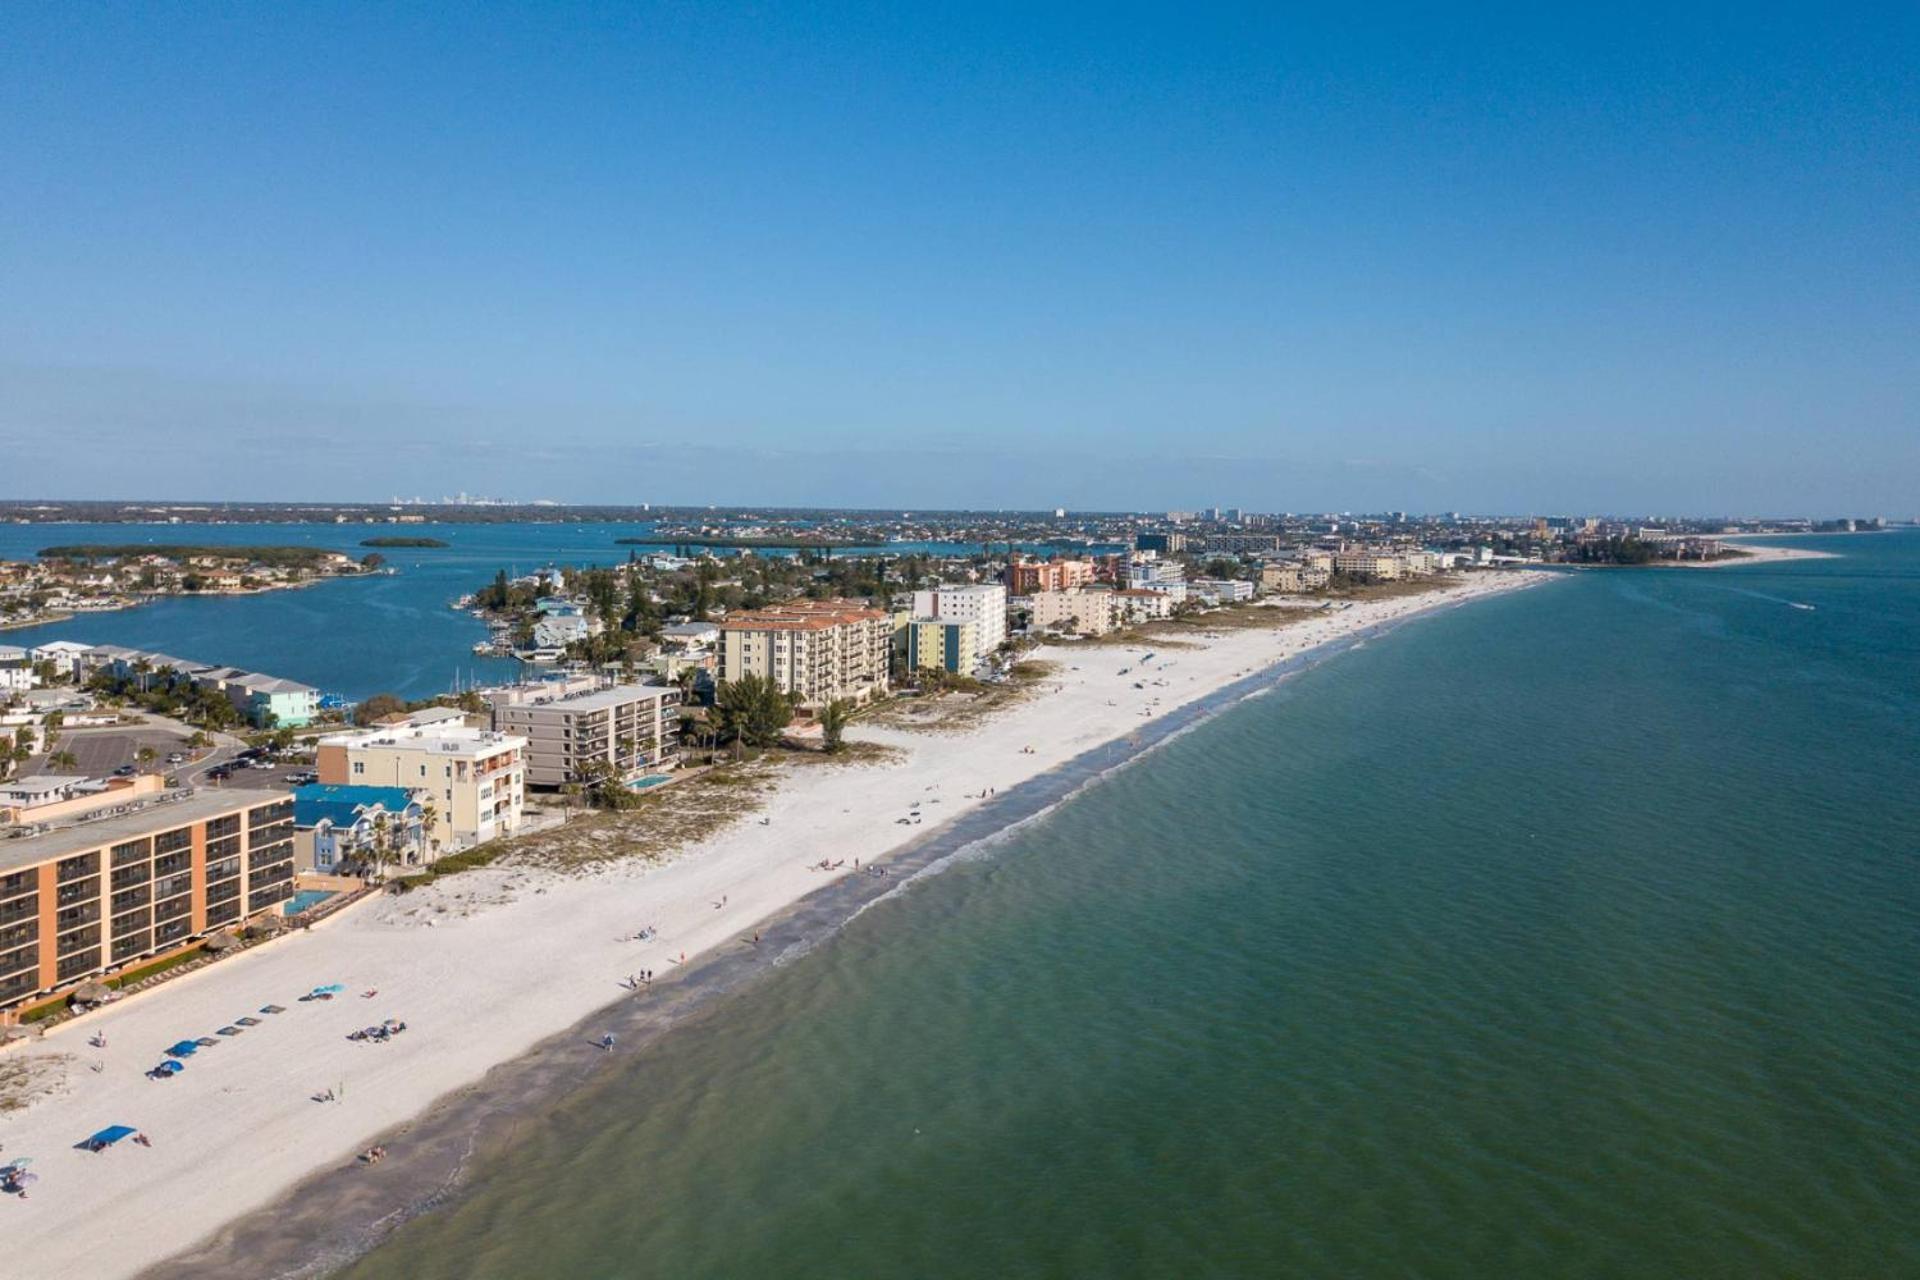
x,y
1571,934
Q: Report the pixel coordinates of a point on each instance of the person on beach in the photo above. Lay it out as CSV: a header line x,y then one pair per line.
x,y
606,1042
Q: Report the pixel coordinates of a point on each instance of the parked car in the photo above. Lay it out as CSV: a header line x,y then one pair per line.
x,y
123,771
176,757
305,778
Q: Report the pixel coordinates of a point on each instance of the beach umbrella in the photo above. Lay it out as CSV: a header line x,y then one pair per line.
x,y
92,993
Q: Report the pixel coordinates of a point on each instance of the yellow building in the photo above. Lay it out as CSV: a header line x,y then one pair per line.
x,y
950,644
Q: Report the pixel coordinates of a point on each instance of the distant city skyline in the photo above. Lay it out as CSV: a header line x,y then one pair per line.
x,y
1549,261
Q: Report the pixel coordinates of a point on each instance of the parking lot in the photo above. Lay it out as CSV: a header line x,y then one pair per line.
x,y
275,778
98,752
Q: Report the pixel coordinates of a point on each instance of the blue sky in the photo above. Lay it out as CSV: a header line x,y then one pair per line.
x,y
1532,259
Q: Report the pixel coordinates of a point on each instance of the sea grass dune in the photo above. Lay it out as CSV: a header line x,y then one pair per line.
x,y
483,966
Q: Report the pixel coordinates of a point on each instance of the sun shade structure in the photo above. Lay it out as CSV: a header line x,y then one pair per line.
x,y
220,942
184,1049
108,1136
92,993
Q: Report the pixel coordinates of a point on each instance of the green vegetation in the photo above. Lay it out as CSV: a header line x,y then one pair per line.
x,y
377,707
402,542
131,976
1615,551
752,711
453,863
833,725
179,553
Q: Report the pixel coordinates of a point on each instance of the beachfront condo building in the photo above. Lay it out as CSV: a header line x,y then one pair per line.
x,y
1137,604
1290,578
1222,590
136,880
1374,566
631,729
815,651
1081,613
984,605
947,644
475,778
1029,577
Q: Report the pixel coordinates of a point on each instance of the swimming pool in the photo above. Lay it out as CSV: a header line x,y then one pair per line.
x,y
304,900
651,780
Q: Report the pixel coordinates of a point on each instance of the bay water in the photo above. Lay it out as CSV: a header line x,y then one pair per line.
x,y
1574,933
351,636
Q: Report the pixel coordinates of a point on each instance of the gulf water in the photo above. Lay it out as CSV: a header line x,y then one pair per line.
x,y
1570,934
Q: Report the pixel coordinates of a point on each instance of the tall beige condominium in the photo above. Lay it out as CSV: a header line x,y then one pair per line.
x,y
816,651
629,729
477,778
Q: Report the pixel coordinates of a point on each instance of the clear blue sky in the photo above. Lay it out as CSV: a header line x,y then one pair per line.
x,y
986,255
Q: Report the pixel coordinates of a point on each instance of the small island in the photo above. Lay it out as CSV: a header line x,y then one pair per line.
x,y
97,577
402,542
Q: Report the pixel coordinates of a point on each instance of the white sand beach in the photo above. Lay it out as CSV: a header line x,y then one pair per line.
x,y
1759,553
485,964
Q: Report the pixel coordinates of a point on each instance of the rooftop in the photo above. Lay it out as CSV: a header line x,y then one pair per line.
x,y
341,805
451,739
40,784
599,700
158,813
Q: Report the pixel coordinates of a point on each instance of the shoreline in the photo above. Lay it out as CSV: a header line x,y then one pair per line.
x,y
277,1191
1754,555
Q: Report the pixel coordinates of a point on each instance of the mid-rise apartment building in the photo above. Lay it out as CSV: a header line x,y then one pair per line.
x,y
1028,577
1149,573
475,778
950,644
1083,612
1375,566
633,729
1288,578
984,605
139,880
815,651
1222,590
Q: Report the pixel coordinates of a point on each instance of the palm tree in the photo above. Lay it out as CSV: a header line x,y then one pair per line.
x,y
381,835
63,760
145,756
833,724
429,836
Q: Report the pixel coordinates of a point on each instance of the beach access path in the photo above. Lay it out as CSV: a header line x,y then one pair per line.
x,y
484,965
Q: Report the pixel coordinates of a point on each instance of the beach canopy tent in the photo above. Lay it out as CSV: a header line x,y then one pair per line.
x,y
185,1049
331,989
170,1068
92,993
109,1135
